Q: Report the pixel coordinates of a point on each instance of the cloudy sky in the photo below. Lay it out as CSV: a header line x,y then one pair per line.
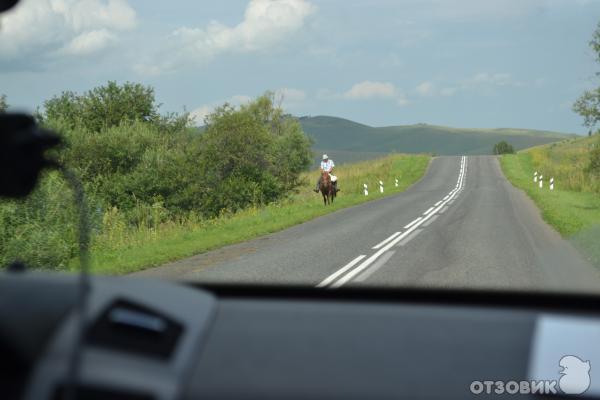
x,y
463,63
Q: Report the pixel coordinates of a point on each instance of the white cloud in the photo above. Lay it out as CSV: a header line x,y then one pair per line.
x,y
147,69
402,101
426,89
430,89
265,24
290,95
484,78
45,27
201,112
483,82
449,91
486,82
371,89
367,90
90,42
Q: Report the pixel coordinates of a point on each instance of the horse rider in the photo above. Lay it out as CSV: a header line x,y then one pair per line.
x,y
327,165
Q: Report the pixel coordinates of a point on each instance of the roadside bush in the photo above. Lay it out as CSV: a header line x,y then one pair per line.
x,y
594,163
251,156
573,165
503,148
40,230
141,170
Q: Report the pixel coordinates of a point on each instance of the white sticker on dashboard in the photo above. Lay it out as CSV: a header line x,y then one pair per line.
x,y
565,350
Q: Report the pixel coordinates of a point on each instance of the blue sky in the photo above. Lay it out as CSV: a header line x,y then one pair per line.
x,y
463,63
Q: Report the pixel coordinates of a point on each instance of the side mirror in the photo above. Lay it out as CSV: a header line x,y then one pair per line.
x,y
7,4
22,147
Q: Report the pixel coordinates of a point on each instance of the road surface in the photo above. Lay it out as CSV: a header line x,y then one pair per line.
x,y
462,225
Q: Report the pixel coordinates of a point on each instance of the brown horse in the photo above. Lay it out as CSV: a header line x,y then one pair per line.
x,y
326,188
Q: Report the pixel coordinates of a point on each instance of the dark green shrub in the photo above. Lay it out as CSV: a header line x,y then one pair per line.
x,y
503,148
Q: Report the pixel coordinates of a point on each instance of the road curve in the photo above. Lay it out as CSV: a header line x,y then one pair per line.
x,y
462,225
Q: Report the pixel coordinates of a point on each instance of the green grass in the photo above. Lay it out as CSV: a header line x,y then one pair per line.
x,y
123,250
573,208
567,211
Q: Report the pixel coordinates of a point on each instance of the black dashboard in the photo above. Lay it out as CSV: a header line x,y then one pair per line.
x,y
152,340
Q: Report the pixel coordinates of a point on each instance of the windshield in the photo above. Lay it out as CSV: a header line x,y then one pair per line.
x,y
317,143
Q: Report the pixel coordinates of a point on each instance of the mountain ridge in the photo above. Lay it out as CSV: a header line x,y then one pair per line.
x,y
334,134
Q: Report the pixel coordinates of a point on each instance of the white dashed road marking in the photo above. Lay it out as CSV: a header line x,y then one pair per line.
x,y
367,267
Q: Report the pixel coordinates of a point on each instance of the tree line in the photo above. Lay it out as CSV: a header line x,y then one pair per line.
x,y
152,168
128,153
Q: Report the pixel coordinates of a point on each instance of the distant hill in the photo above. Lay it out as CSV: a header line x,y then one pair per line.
x,y
348,141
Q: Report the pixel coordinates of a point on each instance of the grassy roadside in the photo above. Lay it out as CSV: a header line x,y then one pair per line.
x,y
573,208
143,248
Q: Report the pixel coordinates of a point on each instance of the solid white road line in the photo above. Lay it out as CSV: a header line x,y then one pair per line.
x,y
428,211
413,222
438,203
365,264
384,258
426,224
414,234
331,277
385,241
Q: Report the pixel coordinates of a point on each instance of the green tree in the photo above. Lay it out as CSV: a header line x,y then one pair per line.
x,y
3,103
588,105
105,106
126,153
293,154
141,168
236,160
291,148
594,162
66,108
503,148
251,155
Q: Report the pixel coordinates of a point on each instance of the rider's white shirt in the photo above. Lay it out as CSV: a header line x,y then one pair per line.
x,y
327,165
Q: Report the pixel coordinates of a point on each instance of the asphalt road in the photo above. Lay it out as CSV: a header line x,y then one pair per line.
x,y
462,225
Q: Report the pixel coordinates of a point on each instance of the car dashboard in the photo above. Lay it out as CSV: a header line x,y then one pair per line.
x,y
155,340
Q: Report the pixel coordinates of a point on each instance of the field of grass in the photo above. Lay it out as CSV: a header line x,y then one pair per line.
x,y
122,250
573,208
344,157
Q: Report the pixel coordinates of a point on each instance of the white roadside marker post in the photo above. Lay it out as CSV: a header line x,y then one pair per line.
x,y
535,176
366,189
396,182
552,183
541,181
381,186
